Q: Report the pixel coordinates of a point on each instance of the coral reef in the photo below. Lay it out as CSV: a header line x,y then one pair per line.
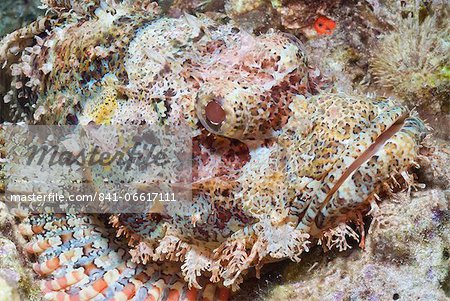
x,y
283,166
299,17
405,258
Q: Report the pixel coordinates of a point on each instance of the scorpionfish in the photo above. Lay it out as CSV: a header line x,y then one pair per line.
x,y
277,165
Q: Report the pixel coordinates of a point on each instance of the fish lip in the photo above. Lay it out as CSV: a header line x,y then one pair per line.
x,y
371,151
405,120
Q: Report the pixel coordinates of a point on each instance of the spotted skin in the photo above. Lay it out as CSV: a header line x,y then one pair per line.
x,y
275,168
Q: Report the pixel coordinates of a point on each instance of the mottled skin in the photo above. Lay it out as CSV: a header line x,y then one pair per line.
x,y
276,172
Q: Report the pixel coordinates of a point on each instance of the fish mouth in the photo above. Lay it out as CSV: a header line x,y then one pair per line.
x,y
412,127
374,148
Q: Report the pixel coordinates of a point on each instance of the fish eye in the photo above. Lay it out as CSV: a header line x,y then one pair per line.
x,y
214,113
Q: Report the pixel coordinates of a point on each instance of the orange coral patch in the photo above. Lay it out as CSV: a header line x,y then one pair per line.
x,y
324,25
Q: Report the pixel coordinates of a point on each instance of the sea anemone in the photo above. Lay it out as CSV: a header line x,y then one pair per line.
x,y
412,61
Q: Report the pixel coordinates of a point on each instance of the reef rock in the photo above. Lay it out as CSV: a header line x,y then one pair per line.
x,y
406,255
